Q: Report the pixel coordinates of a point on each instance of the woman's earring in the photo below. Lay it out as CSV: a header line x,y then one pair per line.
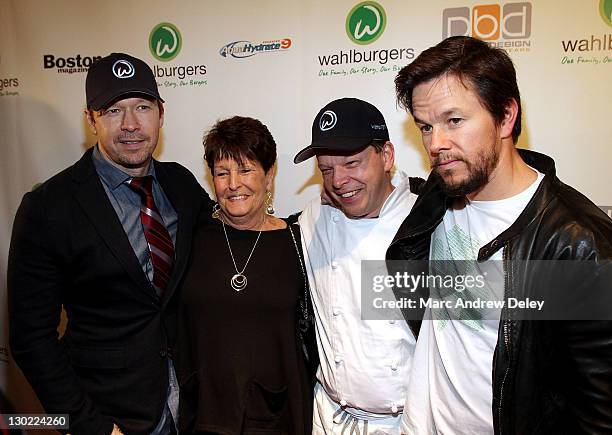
x,y
216,211
269,204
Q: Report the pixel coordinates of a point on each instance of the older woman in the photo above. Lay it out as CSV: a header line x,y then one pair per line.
x,y
243,367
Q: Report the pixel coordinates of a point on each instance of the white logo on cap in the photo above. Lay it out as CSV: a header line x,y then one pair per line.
x,y
123,69
328,120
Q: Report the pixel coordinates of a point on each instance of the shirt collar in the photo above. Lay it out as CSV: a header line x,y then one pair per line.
x,y
112,175
401,183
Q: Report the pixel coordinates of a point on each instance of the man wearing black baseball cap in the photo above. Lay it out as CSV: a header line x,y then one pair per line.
x,y
107,239
364,364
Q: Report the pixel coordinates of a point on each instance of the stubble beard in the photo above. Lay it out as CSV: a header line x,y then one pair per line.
x,y
135,160
139,158
479,172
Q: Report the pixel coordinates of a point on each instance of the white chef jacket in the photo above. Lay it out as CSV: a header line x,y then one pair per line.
x,y
364,363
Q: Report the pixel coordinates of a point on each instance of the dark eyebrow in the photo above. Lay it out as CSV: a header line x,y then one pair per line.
x,y
450,111
444,114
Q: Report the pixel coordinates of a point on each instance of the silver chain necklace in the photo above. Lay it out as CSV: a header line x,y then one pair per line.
x,y
239,281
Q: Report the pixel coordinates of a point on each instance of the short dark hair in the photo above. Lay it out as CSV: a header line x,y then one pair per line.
x,y
238,138
487,69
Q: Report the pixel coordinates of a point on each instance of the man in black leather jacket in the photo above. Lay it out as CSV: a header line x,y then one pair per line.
x,y
546,377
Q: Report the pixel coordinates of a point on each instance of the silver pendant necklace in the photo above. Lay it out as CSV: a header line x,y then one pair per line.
x,y
239,280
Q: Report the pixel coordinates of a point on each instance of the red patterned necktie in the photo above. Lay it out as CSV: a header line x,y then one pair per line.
x,y
160,243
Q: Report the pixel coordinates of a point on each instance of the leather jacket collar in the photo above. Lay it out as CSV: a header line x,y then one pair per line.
x,y
432,203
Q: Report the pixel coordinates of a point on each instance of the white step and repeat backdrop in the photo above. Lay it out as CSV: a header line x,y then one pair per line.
x,y
281,61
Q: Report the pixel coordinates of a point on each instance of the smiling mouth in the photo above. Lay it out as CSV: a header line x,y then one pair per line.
x,y
349,194
237,198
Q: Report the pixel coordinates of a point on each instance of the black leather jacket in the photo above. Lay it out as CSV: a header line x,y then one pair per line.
x,y
549,377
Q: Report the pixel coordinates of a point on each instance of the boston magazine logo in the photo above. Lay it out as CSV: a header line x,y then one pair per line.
x,y
70,64
122,69
242,49
165,42
506,26
366,22
328,120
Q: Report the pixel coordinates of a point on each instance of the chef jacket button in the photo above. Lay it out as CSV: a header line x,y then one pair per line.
x,y
343,403
394,409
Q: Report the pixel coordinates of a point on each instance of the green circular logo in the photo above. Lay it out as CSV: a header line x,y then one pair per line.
x,y
165,41
605,9
366,22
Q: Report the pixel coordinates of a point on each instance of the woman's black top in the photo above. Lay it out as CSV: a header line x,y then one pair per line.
x,y
241,364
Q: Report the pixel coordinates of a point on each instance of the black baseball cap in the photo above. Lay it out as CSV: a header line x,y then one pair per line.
x,y
115,75
345,125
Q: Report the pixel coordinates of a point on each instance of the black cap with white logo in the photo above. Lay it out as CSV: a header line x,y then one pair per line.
x,y
345,125
115,75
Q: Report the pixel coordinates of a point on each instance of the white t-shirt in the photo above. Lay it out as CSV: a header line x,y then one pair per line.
x,y
450,387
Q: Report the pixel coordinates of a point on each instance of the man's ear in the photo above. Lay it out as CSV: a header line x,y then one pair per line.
x,y
91,122
160,105
388,153
507,124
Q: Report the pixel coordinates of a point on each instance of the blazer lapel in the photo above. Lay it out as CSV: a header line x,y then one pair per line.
x,y
184,207
92,197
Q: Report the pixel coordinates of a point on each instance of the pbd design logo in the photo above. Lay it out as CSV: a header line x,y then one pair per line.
x,y
328,120
165,41
605,9
366,22
488,22
122,69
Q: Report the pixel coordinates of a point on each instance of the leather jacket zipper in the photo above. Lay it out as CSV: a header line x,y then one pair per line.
x,y
501,394
506,331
